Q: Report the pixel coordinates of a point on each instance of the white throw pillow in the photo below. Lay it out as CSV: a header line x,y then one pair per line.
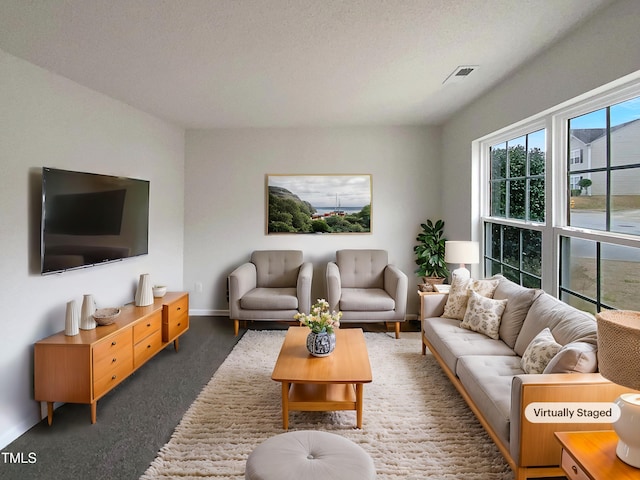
x,y
539,352
483,315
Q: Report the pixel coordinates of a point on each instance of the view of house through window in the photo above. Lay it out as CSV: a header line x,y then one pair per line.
x,y
604,196
589,214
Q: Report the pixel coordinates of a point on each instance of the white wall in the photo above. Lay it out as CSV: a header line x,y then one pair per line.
x,y
602,50
225,197
46,120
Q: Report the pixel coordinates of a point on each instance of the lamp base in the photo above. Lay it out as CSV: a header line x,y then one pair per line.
x,y
628,429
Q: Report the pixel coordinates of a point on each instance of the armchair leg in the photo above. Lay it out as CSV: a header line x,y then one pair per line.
x,y
236,327
397,330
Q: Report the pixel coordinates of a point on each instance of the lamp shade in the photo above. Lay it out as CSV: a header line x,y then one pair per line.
x,y
461,252
619,347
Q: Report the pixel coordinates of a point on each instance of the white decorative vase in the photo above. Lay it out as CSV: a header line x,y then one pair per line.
x,y
72,319
86,316
144,293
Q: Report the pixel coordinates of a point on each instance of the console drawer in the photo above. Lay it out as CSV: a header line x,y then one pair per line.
x,y
107,378
175,318
147,326
147,348
571,468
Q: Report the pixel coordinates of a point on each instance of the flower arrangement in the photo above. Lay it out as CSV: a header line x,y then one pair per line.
x,y
320,319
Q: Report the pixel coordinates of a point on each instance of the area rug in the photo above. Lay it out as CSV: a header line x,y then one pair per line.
x,y
415,424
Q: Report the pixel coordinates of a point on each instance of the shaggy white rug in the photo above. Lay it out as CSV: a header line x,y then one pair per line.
x,y
415,424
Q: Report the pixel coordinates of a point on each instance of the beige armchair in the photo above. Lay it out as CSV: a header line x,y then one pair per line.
x,y
273,285
366,288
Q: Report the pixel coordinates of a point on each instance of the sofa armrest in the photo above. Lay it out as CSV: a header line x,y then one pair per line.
x,y
242,280
432,304
303,287
533,444
334,285
396,285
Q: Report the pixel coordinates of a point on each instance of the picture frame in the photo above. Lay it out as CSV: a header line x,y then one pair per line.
x,y
318,204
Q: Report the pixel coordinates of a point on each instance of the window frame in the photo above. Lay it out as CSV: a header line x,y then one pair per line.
x,y
555,121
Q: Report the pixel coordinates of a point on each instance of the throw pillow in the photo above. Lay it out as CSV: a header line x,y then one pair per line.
x,y
461,287
458,295
539,352
483,315
574,357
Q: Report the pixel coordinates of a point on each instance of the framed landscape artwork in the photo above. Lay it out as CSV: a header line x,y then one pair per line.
x,y
318,204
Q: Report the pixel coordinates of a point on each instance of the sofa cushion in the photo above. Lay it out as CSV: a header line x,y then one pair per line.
x,y
270,299
574,357
451,342
365,299
483,315
567,324
487,379
461,286
520,300
540,351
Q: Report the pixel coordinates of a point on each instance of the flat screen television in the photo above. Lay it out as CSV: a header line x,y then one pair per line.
x,y
89,219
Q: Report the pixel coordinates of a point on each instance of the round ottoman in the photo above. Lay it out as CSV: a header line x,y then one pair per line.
x,y
309,455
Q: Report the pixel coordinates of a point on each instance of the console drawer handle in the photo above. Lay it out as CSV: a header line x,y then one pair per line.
x,y
148,346
113,361
148,324
113,344
113,378
574,468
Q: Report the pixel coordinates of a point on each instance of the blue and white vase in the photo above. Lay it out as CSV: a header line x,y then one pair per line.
x,y
321,344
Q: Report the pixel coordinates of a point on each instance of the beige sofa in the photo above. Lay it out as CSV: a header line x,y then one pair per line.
x,y
488,372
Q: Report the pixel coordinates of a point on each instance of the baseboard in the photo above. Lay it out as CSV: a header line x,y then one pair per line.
x,y
208,312
17,430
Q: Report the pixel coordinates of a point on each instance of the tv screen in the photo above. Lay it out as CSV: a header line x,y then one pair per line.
x,y
88,219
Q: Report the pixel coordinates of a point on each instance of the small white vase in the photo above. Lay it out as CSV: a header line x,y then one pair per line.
x,y
144,293
72,319
87,321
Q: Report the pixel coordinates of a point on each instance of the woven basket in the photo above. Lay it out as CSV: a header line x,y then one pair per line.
x,y
619,347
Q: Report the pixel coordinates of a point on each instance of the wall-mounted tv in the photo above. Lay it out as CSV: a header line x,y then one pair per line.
x,y
89,219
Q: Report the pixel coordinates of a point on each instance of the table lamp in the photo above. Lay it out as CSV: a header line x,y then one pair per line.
x,y
462,252
619,362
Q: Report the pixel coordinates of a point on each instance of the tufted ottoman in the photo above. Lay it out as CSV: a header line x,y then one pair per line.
x,y
309,455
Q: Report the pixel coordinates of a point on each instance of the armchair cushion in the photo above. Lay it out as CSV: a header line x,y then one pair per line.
x,y
362,268
270,299
277,268
365,299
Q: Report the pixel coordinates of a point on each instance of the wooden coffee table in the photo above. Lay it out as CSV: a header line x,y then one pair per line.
x,y
323,384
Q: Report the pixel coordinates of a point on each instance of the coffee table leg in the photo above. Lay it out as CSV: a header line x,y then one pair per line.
x,y
359,401
285,405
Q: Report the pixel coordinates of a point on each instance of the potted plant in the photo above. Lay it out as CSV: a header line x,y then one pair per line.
x,y
430,253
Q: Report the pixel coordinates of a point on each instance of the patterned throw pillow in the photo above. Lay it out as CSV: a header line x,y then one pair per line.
x,y
461,287
483,315
540,352
458,295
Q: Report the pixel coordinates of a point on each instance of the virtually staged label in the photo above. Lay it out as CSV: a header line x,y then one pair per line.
x,y
572,412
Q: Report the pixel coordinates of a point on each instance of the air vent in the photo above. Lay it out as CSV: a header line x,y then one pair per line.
x,y
460,73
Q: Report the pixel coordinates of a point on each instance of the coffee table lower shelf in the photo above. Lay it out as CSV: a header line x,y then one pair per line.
x,y
321,397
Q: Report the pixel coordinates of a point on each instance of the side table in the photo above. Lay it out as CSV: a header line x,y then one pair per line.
x,y
592,456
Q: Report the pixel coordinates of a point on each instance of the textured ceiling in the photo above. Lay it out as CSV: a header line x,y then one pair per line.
x,y
258,63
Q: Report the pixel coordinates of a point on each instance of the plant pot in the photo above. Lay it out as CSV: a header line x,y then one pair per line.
x,y
321,344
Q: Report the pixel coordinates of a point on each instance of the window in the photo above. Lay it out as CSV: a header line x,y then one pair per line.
x,y
608,190
517,178
513,246
514,252
568,221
